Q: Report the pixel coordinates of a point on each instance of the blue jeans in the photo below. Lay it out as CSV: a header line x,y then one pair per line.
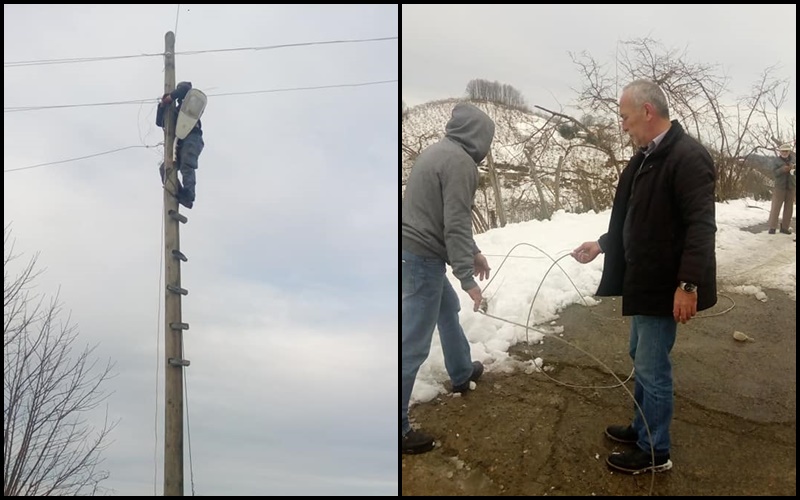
x,y
189,150
429,301
188,153
652,338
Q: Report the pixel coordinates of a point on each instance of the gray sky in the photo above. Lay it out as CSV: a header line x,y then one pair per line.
x,y
528,46
292,275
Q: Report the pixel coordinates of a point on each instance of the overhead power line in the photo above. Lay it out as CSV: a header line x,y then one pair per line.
x,y
41,62
18,109
177,16
79,158
380,82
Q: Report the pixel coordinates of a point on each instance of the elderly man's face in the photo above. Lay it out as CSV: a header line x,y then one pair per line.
x,y
633,120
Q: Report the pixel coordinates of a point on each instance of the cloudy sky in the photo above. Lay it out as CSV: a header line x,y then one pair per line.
x,y
292,274
529,46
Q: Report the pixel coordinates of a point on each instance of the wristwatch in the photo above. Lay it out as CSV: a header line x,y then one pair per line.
x,y
687,287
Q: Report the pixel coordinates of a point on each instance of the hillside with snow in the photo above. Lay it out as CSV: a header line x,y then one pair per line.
x,y
539,171
544,163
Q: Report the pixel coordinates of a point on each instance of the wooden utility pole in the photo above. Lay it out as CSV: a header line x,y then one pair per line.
x,y
173,330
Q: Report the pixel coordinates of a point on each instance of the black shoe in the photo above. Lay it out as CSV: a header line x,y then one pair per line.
x,y
787,231
771,231
622,433
477,371
185,197
416,442
638,461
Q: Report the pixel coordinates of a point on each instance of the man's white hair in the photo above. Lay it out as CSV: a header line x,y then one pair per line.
x,y
642,91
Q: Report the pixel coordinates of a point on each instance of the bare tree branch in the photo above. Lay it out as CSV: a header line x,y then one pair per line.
x,y
49,448
697,95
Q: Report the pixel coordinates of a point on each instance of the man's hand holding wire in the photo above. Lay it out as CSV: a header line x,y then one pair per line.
x,y
586,252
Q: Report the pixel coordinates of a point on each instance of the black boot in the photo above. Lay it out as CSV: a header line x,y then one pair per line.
x,y
185,197
416,442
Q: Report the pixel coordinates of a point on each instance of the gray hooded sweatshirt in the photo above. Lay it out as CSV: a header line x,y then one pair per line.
x,y
437,205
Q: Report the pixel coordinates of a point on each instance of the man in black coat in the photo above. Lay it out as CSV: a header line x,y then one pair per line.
x,y
659,256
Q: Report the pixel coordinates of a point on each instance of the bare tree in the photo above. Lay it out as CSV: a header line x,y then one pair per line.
x,y
498,194
698,98
579,178
479,224
770,132
412,146
496,92
49,448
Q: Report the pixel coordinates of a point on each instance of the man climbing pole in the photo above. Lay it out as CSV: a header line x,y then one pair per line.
x,y
190,145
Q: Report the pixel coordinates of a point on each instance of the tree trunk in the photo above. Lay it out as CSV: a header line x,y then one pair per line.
x,y
498,195
544,208
557,187
478,221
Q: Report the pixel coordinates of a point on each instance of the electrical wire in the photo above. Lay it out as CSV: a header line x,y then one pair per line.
x,y
19,109
177,15
188,428
530,310
158,349
484,310
73,60
78,158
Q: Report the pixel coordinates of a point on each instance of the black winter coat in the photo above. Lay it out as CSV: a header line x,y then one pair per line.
x,y
177,95
670,236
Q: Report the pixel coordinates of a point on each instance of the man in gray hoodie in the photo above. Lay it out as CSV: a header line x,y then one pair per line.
x,y
437,230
